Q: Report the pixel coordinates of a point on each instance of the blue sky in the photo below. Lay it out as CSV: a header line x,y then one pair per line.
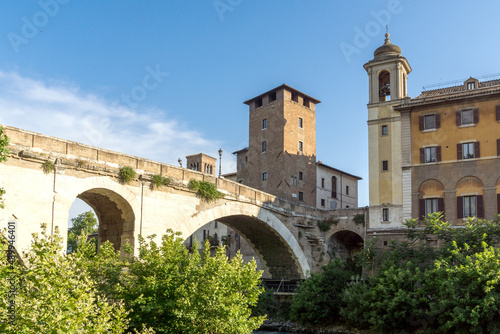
x,y
166,79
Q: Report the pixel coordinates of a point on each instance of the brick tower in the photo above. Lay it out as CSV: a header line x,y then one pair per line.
x,y
281,156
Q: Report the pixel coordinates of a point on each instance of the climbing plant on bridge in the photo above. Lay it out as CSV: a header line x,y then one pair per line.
x,y
157,181
127,174
205,189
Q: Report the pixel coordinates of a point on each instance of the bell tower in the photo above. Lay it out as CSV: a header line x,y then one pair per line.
x,y
387,75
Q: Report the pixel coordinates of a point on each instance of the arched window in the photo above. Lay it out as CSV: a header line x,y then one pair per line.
x,y
431,198
334,187
470,202
384,86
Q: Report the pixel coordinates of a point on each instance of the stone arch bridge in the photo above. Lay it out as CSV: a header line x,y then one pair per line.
x,y
279,231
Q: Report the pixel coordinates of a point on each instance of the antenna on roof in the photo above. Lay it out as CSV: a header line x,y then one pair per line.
x,y
386,28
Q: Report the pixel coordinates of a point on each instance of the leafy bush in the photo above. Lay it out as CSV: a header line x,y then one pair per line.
x,y
175,291
158,181
127,174
206,190
387,302
48,167
452,289
54,293
317,300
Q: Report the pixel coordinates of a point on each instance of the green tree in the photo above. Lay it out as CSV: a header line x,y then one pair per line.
x,y
55,294
452,289
317,301
174,291
4,151
83,225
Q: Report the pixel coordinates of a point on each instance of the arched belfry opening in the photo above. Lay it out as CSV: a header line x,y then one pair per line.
x,y
114,214
384,86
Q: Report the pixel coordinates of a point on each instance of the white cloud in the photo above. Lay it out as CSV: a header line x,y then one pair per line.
x,y
62,110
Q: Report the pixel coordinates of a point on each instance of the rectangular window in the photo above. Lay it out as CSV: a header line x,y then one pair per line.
x,y
306,102
258,103
431,206
272,97
322,182
385,165
347,190
384,130
301,146
301,176
429,122
216,224
322,202
430,154
468,150
295,97
264,124
264,146
264,176
470,206
301,123
385,215
301,196
471,85
293,180
468,116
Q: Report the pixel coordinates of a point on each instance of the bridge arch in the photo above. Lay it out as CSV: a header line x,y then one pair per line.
x,y
117,208
344,244
278,248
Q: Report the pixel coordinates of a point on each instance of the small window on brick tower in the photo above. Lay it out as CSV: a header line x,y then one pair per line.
x,y
258,103
264,124
295,97
301,196
301,146
272,97
306,102
301,123
301,176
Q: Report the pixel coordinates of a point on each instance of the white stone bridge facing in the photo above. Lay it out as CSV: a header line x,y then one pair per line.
x,y
277,230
